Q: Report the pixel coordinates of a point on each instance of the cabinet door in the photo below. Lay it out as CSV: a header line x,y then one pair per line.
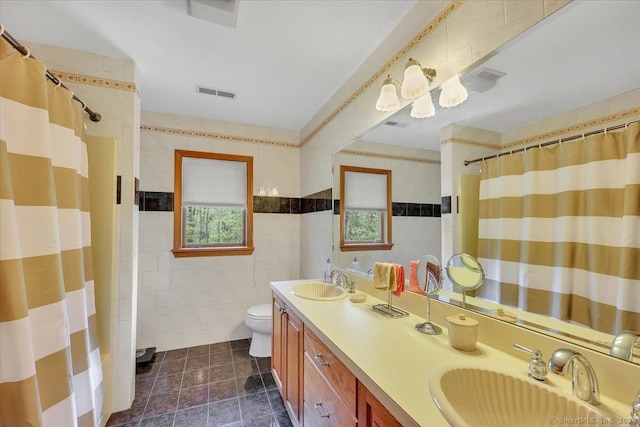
x,y
277,344
293,365
372,413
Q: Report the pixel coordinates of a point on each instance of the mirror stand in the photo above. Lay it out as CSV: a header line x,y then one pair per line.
x,y
430,281
428,327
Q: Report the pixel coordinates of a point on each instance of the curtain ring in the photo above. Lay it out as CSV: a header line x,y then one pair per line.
x,y
511,153
84,106
59,84
1,29
28,54
583,137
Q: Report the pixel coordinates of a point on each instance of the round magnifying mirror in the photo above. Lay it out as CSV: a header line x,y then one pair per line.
x,y
465,272
430,281
430,274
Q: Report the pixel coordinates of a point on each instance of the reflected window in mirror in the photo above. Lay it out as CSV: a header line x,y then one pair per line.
x,y
365,211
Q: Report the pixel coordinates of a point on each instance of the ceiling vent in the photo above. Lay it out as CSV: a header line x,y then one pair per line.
x,y
223,12
481,79
215,92
396,124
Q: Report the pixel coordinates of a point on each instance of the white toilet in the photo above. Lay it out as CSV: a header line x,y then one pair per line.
x,y
258,319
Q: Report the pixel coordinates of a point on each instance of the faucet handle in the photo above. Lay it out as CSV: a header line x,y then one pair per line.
x,y
537,366
635,413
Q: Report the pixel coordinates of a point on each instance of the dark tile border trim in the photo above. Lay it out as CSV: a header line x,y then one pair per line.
x,y
156,201
428,210
118,189
446,204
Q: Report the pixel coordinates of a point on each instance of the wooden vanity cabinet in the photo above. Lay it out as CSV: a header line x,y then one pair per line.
x,y
318,390
372,413
286,357
329,387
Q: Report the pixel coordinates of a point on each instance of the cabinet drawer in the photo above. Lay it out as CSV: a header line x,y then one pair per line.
x,y
340,378
320,399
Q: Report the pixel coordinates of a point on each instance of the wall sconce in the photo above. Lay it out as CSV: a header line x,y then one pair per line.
x,y
415,85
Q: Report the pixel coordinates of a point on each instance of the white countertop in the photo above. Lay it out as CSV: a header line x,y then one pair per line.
x,y
392,359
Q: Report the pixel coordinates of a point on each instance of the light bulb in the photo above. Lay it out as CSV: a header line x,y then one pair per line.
x,y
423,107
388,99
415,83
453,93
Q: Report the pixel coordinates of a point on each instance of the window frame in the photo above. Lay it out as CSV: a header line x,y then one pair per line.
x,y
178,230
346,246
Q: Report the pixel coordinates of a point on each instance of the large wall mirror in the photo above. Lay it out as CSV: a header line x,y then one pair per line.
x,y
574,72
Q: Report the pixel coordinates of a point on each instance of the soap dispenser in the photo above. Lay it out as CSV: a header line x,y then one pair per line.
x,y
327,271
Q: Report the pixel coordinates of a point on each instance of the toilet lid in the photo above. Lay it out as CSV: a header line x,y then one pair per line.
x,y
262,311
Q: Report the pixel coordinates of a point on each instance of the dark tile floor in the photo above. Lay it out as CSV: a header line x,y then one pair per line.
x,y
208,385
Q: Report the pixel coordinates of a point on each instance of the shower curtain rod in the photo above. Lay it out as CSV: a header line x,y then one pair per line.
x,y
95,117
557,141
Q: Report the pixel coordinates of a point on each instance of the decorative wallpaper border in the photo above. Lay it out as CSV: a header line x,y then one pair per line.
x,y
574,129
471,142
435,23
390,157
95,81
212,135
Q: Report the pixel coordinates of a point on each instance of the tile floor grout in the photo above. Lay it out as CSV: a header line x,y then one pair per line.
x,y
247,412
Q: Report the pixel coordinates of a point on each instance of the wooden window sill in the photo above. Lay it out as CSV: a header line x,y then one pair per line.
x,y
367,247
193,252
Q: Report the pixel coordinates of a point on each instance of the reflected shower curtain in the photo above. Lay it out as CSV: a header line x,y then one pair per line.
x,y
559,229
50,371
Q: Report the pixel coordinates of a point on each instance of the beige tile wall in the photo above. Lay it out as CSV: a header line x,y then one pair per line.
x,y
191,301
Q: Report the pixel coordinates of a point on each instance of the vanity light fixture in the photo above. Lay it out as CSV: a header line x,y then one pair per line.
x,y
453,93
416,86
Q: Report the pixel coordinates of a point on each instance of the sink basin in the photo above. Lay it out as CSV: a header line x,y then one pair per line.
x,y
472,397
319,291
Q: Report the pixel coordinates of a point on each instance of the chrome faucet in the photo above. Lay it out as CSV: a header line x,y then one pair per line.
x,y
343,281
622,345
583,378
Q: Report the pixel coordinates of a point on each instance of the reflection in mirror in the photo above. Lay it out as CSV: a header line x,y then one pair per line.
x,y
415,208
465,273
365,214
544,94
429,276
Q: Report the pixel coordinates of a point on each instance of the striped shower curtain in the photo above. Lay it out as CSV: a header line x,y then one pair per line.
x,y
50,371
559,230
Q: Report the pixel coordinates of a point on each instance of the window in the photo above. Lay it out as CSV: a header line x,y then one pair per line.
x,y
213,212
365,210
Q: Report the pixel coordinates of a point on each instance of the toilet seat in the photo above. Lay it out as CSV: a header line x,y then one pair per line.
x,y
260,312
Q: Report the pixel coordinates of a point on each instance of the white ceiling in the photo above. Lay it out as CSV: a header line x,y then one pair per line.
x,y
284,60
585,52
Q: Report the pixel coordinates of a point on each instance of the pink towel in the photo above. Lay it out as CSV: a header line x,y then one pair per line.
x,y
413,279
399,280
